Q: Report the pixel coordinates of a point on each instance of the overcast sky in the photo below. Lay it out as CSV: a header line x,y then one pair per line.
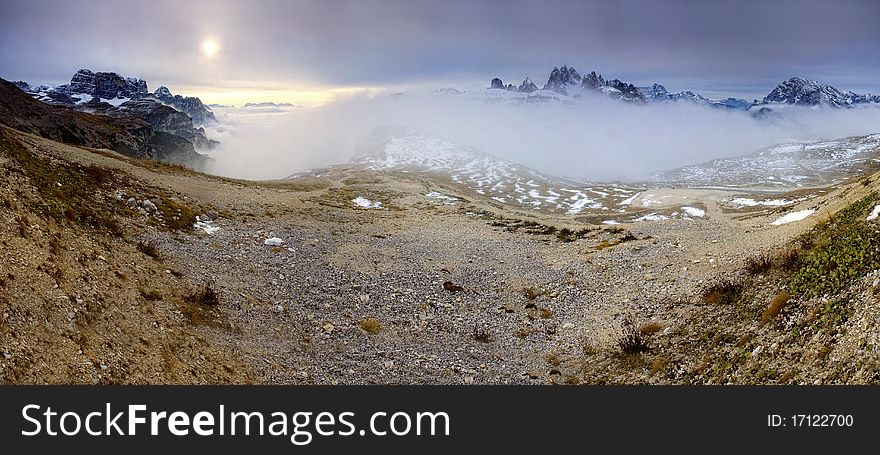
x,y
310,50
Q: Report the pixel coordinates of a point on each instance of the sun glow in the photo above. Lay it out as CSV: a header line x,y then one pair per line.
x,y
210,48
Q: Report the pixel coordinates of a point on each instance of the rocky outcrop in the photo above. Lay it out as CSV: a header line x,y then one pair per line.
x,y
561,80
190,105
165,119
126,134
105,85
496,84
527,86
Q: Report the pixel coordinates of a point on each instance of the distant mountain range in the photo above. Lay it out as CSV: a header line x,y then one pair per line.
x,y
569,83
108,90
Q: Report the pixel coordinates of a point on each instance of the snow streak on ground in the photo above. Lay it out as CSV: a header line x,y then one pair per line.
x,y
782,166
793,216
365,203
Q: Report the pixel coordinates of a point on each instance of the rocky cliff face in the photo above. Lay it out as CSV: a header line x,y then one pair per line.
x,y
105,85
165,119
190,105
126,134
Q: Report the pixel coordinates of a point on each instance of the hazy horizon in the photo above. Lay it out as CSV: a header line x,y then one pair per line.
x,y
310,52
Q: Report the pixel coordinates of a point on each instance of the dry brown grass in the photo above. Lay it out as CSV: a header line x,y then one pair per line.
x,y
532,293
651,328
776,305
723,291
371,325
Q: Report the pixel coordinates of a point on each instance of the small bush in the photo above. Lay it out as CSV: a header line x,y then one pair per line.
x,y
371,325
150,249
775,307
722,292
151,296
482,334
759,264
205,297
631,340
788,259
201,307
177,216
532,293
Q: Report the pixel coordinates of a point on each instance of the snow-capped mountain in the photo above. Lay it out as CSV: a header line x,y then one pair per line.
x,y
102,90
804,92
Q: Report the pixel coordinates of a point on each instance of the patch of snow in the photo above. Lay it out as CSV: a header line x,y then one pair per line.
x,y
793,216
747,202
115,102
630,199
694,211
365,203
83,97
652,217
207,225
874,214
273,241
610,222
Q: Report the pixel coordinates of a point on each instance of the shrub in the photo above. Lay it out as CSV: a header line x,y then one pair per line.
x,y
723,291
204,297
481,334
150,249
844,251
151,296
201,307
631,340
532,293
759,264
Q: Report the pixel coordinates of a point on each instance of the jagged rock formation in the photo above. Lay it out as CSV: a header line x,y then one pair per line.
x,y
126,134
190,105
104,85
527,86
496,84
562,79
658,93
165,119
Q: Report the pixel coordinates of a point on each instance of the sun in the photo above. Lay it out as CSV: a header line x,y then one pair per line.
x,y
210,47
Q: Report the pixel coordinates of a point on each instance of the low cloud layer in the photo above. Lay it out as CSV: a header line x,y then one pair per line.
x,y
598,139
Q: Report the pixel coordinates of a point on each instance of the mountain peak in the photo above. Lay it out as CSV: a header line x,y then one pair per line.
x,y
805,92
561,79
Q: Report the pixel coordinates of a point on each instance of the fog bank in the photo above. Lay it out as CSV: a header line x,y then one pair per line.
x,y
596,139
